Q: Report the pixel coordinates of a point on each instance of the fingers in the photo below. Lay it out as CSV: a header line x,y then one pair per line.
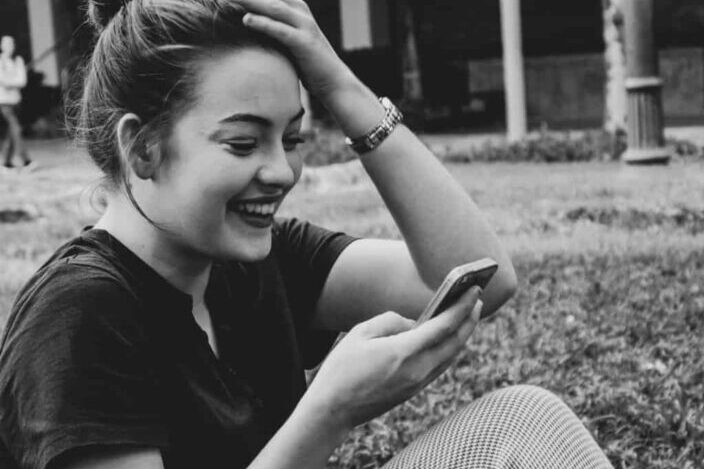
x,y
447,350
445,325
276,29
384,325
284,11
442,355
298,4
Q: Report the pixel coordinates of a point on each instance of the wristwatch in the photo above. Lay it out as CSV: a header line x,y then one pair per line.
x,y
378,134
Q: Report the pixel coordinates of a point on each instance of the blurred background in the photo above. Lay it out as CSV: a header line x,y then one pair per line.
x,y
443,58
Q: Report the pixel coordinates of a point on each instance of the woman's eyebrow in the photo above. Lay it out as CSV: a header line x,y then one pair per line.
x,y
256,119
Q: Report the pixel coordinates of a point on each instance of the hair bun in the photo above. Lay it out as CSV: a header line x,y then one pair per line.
x,y
100,12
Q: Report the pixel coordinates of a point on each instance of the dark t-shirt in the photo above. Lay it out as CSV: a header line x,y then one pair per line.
x,y
99,350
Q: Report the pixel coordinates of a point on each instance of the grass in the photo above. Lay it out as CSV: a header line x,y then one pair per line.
x,y
608,315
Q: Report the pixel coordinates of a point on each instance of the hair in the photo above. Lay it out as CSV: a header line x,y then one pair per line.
x,y
144,61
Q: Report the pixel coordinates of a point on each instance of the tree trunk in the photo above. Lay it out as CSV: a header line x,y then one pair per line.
x,y
615,108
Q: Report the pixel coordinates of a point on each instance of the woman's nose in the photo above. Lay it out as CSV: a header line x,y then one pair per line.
x,y
277,171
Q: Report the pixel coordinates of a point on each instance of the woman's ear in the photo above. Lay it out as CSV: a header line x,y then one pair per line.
x,y
133,149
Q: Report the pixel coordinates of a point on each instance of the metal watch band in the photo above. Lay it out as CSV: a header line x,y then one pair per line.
x,y
378,134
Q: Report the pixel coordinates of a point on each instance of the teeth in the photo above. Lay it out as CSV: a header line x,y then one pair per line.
x,y
256,209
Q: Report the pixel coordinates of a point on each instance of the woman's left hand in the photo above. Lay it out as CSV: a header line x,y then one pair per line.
x,y
291,23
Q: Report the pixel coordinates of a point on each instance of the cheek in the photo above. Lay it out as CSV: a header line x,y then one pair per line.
x,y
296,163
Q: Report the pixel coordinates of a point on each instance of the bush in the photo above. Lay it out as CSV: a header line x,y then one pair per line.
x,y
326,146
550,147
547,148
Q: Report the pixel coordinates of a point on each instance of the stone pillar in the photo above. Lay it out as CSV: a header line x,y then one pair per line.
x,y
412,84
615,109
514,81
646,140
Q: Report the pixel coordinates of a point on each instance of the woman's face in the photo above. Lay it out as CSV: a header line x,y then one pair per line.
x,y
231,158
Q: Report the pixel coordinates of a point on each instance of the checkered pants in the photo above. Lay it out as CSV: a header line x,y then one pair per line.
x,y
515,428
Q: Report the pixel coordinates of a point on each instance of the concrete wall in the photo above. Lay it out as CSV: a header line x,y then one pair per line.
x,y
682,71
43,39
568,90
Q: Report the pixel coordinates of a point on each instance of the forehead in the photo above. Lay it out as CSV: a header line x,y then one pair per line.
x,y
249,80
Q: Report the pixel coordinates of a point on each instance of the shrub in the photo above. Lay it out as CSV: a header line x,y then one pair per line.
x,y
326,146
547,148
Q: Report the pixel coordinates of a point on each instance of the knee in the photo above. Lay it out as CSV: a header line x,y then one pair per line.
x,y
528,394
523,408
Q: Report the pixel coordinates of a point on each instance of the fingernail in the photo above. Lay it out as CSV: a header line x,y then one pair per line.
x,y
478,308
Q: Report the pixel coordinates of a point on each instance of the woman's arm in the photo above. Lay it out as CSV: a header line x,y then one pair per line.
x,y
440,224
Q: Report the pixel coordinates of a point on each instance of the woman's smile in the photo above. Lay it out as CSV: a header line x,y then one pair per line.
x,y
256,211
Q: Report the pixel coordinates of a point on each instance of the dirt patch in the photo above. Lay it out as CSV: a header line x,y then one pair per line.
x,y
634,219
17,215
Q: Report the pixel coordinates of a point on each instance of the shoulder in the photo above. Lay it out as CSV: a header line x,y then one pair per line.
x,y
293,235
72,298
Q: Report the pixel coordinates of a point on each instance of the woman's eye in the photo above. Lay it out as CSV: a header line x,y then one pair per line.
x,y
290,143
241,147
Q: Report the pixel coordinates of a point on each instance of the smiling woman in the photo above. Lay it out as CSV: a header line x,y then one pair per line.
x,y
175,332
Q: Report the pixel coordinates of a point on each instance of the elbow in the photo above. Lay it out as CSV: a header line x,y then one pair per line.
x,y
507,283
501,289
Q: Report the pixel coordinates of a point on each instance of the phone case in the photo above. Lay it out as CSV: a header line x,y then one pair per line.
x,y
459,280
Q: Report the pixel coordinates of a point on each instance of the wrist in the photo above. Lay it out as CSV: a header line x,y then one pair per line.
x,y
354,107
326,419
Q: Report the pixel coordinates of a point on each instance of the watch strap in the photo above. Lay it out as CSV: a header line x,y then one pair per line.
x,y
378,134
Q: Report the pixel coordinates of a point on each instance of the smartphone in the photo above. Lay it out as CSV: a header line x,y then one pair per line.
x,y
459,280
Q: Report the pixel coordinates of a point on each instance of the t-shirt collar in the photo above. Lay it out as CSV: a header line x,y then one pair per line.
x,y
149,282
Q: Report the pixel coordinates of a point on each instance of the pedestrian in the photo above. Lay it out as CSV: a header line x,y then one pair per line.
x,y
175,332
13,77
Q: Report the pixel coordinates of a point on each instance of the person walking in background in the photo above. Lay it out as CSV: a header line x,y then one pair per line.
x,y
13,77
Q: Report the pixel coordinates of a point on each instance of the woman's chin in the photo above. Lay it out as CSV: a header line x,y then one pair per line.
x,y
248,248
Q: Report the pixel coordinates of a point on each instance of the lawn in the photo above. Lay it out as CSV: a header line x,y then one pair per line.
x,y
608,315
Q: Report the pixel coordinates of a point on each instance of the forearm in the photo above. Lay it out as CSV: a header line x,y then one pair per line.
x,y
307,439
440,223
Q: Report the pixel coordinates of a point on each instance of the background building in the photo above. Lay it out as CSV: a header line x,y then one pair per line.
x,y
459,52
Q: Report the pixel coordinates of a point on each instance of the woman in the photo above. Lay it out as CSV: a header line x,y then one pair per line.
x,y
13,77
175,332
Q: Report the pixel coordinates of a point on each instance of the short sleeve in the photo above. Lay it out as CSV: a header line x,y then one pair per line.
x,y
306,254
76,371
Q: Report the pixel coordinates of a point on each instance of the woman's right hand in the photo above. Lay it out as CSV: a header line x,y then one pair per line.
x,y
386,360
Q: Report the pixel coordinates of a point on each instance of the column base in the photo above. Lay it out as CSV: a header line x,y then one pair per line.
x,y
646,156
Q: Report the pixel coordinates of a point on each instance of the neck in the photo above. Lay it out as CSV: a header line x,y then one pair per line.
x,y
186,270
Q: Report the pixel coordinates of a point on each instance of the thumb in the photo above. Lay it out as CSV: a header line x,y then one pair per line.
x,y
384,325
